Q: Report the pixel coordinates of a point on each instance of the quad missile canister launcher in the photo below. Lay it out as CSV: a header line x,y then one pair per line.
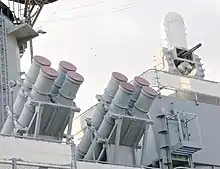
x,y
44,89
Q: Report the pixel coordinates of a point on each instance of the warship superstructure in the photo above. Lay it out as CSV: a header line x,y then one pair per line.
x,y
165,118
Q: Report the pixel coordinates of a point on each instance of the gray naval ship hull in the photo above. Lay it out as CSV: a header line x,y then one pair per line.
x,y
134,125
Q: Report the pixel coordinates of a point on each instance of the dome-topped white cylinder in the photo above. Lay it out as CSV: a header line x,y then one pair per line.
x,y
173,31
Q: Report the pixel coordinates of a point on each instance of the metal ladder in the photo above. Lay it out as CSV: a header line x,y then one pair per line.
x,y
4,88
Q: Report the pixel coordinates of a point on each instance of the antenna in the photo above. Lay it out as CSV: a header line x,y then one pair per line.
x,y
28,12
28,9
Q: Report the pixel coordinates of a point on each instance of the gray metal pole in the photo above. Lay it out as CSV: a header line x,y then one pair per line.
x,y
144,145
31,50
14,163
73,152
38,120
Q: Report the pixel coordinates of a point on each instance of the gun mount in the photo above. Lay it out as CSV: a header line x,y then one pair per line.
x,y
176,58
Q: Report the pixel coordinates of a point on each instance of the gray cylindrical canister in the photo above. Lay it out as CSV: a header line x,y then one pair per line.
x,y
71,84
144,101
113,85
39,92
139,83
64,67
31,76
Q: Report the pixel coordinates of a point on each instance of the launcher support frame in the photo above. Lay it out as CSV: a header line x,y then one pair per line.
x,y
117,131
39,107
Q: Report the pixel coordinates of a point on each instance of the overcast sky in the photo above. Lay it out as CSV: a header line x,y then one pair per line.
x,y
102,36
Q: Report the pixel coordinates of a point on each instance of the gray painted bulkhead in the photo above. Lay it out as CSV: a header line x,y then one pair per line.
x,y
208,124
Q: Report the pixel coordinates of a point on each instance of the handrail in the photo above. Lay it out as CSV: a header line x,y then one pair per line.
x,y
33,138
190,77
20,162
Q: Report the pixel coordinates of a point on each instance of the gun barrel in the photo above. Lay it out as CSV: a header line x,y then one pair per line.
x,y
189,52
195,48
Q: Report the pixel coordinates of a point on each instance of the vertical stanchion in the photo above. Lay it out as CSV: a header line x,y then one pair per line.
x,y
14,163
73,155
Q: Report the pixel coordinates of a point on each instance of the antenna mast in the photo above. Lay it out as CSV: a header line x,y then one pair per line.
x,y
28,11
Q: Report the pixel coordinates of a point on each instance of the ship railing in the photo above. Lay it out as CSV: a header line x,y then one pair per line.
x,y
36,138
115,166
187,95
184,87
19,164
36,152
